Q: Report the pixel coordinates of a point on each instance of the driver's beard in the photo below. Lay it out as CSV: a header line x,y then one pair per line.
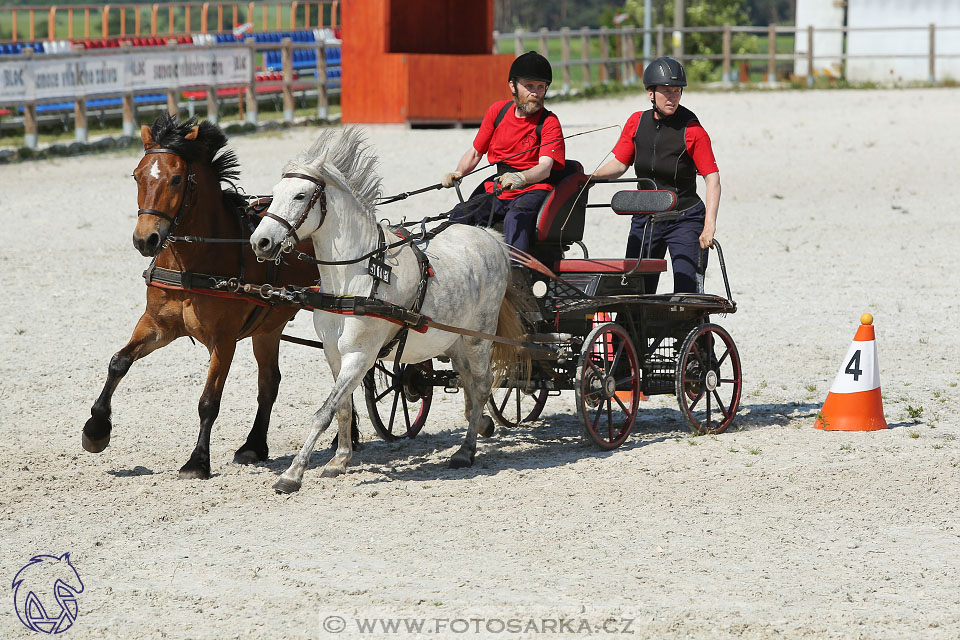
x,y
527,108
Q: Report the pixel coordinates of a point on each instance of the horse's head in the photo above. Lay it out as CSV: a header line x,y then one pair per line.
x,y
327,188
164,179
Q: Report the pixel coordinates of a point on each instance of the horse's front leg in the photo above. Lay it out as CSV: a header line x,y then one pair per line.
x,y
147,336
266,349
345,425
221,356
353,367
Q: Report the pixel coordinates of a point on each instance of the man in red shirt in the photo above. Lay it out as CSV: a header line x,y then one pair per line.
x,y
526,142
668,148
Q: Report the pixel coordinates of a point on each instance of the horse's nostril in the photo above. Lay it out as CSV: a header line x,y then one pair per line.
x,y
153,241
263,244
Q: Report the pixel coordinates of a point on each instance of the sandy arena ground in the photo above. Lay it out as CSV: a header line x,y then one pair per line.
x,y
834,203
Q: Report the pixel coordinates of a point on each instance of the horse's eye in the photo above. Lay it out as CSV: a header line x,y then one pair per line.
x,y
300,196
176,180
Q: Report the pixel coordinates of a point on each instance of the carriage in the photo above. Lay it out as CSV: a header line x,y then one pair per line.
x,y
594,331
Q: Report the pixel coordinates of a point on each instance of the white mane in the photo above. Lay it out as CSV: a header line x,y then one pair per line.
x,y
350,157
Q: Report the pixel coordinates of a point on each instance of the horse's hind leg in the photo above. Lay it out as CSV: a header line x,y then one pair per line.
x,y
147,336
221,356
266,349
472,359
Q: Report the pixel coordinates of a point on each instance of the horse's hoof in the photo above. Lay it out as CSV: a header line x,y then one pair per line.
x,y
485,428
248,456
95,446
191,471
332,472
460,462
286,486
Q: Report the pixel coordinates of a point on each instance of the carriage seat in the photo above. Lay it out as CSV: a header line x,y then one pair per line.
x,y
562,214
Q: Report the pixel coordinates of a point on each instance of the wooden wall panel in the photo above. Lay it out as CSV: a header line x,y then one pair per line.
x,y
487,83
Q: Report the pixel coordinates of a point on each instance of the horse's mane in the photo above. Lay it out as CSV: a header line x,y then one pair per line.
x,y
351,156
168,132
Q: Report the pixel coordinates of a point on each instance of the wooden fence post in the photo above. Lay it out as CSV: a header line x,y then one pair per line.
x,y
173,93
213,105
105,21
52,24
631,55
80,129
251,97
660,40
933,53
30,137
604,55
726,54
565,56
544,49
129,106
810,55
323,111
585,54
772,55
517,41
286,56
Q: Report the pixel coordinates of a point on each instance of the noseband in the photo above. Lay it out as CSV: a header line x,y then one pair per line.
x,y
320,193
191,182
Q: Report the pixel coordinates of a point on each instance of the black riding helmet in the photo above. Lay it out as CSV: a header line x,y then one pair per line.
x,y
533,66
664,72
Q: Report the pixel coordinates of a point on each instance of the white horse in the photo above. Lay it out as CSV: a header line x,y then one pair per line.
x,y
328,193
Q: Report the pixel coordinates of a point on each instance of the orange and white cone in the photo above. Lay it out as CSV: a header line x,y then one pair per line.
x,y
854,402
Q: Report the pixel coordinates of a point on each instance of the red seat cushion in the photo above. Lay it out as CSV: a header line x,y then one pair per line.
x,y
605,265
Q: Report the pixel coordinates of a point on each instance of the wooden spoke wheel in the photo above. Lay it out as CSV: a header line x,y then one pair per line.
x,y
512,406
708,379
398,404
608,386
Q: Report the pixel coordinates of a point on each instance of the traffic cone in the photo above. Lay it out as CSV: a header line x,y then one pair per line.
x,y
854,402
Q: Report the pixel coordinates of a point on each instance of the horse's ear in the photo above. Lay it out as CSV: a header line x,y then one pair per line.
x,y
147,136
193,133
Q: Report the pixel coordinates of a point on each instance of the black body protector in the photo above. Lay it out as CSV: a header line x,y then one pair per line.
x,y
660,154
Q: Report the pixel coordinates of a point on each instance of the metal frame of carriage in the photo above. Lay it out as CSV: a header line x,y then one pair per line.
x,y
594,332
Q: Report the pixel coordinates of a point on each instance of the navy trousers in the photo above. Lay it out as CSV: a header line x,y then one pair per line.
x,y
519,216
682,237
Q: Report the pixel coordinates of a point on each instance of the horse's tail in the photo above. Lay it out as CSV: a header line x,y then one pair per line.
x,y
510,360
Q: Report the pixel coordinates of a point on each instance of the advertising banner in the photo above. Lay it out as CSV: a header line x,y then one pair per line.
x,y
157,70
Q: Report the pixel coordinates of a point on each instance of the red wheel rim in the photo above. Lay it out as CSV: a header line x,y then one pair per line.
x,y
708,379
393,411
608,386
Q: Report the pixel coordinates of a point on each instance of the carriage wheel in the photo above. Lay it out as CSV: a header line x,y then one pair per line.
x,y
708,379
398,404
608,386
512,406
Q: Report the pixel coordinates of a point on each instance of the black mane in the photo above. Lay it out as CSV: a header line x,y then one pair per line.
x,y
171,134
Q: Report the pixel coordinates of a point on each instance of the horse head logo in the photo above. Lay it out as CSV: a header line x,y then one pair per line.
x,y
45,594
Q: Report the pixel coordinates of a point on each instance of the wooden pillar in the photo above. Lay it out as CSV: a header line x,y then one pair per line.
x,y
810,77
517,42
105,21
286,56
660,32
213,105
323,111
154,14
129,115
52,24
566,59
251,97
585,54
679,15
631,55
604,55
173,93
70,23
544,50
933,53
13,25
726,54
30,137
772,55
81,131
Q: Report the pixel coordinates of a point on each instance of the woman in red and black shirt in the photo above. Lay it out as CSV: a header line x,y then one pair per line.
x,y
526,142
668,147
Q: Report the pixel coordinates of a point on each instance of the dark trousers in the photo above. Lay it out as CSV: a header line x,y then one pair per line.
x,y
519,216
682,237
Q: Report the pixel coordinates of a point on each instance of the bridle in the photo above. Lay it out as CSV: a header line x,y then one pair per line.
x,y
191,183
319,193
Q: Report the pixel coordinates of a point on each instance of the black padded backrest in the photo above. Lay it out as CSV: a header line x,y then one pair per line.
x,y
562,215
643,201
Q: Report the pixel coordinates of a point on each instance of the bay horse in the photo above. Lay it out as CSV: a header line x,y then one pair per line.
x,y
328,194
179,189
